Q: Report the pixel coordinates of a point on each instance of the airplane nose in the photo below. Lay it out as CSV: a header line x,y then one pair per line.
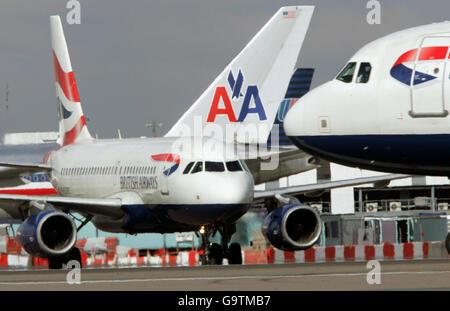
x,y
240,189
294,121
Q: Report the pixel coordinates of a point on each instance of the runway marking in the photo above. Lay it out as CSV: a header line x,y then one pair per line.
x,y
220,278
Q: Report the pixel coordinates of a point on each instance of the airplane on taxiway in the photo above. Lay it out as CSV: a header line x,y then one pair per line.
x,y
186,180
387,110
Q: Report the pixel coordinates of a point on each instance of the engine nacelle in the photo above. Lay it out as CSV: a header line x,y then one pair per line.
x,y
48,233
292,227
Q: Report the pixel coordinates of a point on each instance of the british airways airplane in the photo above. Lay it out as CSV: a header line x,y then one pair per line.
x,y
386,110
183,181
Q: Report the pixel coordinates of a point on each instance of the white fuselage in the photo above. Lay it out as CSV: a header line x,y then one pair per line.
x,y
147,173
393,119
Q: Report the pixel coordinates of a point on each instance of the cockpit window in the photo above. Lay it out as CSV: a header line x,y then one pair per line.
x,y
363,73
234,166
188,168
346,75
214,166
197,168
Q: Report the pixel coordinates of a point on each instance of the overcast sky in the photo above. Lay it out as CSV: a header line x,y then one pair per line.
x,y
139,60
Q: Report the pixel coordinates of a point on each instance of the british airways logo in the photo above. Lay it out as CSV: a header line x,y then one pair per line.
x,y
168,157
222,97
423,65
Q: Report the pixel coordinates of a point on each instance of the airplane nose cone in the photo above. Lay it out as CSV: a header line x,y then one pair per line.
x,y
239,189
294,121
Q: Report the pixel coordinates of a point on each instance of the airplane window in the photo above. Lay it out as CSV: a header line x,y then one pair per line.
x,y
214,166
188,168
364,73
197,168
234,166
346,75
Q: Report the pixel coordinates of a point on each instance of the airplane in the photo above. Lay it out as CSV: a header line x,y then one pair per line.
x,y
23,153
386,110
186,180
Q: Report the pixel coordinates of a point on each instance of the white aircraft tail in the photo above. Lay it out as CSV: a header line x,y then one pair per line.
x,y
72,125
247,93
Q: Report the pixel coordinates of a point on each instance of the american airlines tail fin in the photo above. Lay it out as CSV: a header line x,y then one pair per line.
x,y
247,93
72,125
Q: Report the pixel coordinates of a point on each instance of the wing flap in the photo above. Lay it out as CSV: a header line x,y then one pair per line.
x,y
275,165
293,190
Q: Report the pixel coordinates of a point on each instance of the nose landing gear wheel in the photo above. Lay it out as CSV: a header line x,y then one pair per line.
x,y
235,254
215,253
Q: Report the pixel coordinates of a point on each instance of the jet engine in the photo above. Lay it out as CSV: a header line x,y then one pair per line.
x,y
292,227
47,234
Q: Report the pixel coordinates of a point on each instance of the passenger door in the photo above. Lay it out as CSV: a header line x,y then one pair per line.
x,y
163,180
429,78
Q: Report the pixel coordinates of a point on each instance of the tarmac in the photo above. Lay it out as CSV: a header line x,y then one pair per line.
x,y
394,275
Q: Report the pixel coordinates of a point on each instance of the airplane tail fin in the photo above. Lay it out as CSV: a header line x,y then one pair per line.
x,y
299,85
247,93
72,124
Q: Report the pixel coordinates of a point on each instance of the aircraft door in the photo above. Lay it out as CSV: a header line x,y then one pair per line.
x,y
163,182
430,74
446,78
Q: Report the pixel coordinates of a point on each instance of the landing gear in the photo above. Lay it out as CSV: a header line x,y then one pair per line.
x,y
58,262
235,254
215,253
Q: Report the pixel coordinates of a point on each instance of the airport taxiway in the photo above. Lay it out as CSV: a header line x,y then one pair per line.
x,y
395,275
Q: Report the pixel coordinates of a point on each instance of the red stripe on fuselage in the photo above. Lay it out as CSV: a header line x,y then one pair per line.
x,y
66,80
37,191
169,157
70,136
426,53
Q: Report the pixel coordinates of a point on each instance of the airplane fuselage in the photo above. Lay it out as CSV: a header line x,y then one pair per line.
x,y
158,194
388,108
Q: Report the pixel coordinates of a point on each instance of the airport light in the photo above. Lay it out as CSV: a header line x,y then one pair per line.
x,y
153,125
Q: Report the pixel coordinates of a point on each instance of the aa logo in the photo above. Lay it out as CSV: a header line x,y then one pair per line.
x,y
221,103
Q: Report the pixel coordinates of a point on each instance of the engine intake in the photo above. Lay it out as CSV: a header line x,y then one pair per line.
x,y
292,227
49,233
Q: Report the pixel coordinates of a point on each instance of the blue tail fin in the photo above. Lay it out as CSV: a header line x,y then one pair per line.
x,y
298,86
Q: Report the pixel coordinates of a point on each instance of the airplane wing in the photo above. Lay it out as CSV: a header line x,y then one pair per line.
x,y
27,167
97,207
282,162
15,205
293,190
19,160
